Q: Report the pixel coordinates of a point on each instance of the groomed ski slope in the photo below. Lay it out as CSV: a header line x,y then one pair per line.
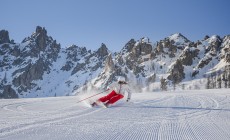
x,y
179,115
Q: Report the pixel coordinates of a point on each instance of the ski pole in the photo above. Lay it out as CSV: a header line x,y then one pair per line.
x,y
92,96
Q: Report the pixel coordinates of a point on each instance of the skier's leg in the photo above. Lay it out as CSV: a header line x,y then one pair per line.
x,y
115,99
107,97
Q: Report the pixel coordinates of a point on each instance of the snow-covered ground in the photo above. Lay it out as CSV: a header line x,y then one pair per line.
x,y
180,115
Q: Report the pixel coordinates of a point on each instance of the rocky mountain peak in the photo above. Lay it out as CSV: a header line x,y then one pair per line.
x,y
4,37
206,37
213,38
102,51
171,45
138,48
144,40
38,42
41,30
178,37
128,46
41,37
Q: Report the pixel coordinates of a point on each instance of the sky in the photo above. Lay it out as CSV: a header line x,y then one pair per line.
x,y
89,23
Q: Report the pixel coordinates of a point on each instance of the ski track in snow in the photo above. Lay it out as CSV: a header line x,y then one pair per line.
x,y
188,115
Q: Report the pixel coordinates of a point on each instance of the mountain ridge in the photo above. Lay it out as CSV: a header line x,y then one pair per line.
x,y
40,67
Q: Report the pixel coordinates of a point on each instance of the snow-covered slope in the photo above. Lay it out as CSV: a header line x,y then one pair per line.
x,y
191,114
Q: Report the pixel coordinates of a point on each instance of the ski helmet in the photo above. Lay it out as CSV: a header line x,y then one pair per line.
x,y
121,80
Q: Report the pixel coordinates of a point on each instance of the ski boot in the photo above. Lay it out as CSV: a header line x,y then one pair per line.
x,y
94,104
107,105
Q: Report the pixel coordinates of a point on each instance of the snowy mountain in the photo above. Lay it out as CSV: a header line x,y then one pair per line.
x,y
40,67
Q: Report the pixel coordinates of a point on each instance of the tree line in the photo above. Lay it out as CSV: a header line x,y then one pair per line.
x,y
219,79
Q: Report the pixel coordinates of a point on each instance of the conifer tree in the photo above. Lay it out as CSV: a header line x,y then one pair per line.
x,y
208,83
163,84
219,81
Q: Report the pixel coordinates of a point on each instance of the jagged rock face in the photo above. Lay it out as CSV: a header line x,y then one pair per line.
x,y
171,45
102,51
142,48
41,38
227,57
30,73
30,60
8,92
177,72
188,55
225,52
135,51
214,45
40,42
109,65
128,47
92,61
74,54
4,37
209,51
166,46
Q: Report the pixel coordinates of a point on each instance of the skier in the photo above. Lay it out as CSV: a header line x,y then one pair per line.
x,y
118,91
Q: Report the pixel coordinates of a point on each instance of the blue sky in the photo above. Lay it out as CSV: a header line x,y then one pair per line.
x,y
114,22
